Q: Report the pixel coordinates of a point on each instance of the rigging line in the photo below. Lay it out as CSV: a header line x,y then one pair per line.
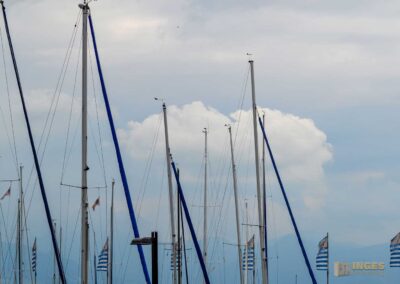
x,y
150,163
149,160
67,214
100,157
73,238
15,154
97,118
128,198
184,245
162,266
218,228
70,111
126,268
218,183
159,198
240,105
2,256
57,93
8,136
27,238
77,127
273,216
61,77
245,142
192,232
197,194
95,146
287,203
7,238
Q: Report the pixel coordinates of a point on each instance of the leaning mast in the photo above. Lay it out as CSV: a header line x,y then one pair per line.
x,y
171,194
257,163
239,242
20,229
205,131
85,168
111,247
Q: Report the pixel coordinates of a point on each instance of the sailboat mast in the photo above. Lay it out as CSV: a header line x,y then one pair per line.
x,y
264,199
170,192
110,263
177,258
247,247
19,240
54,257
20,229
327,270
205,199
239,242
257,160
85,168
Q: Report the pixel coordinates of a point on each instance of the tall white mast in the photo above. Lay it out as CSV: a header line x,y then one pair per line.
x,y
85,168
239,242
111,248
171,194
20,229
205,199
247,247
259,196
264,194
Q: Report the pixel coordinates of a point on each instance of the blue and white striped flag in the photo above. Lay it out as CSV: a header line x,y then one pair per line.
x,y
395,251
248,255
175,261
34,256
102,264
323,254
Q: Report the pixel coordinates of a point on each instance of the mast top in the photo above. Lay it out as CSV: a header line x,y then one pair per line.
x,y
250,56
84,5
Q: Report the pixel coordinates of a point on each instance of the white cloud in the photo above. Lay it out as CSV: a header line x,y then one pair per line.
x,y
301,149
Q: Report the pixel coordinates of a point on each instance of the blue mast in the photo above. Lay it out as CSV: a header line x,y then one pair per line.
x,y
310,271
119,156
190,224
33,148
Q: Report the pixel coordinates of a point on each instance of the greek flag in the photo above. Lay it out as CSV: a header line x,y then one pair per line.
x,y
34,257
395,251
175,261
102,264
323,254
248,255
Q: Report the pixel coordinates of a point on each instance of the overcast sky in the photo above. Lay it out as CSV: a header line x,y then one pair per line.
x,y
326,74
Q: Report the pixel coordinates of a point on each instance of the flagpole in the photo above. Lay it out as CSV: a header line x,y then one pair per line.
x,y
236,207
327,269
95,270
246,250
20,229
54,258
110,261
205,131
36,260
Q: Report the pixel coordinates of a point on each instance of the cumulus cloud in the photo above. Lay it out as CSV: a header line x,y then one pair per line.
x,y
300,148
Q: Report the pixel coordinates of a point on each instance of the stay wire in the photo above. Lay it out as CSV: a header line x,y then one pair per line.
x,y
7,238
70,114
15,153
148,167
56,93
98,121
